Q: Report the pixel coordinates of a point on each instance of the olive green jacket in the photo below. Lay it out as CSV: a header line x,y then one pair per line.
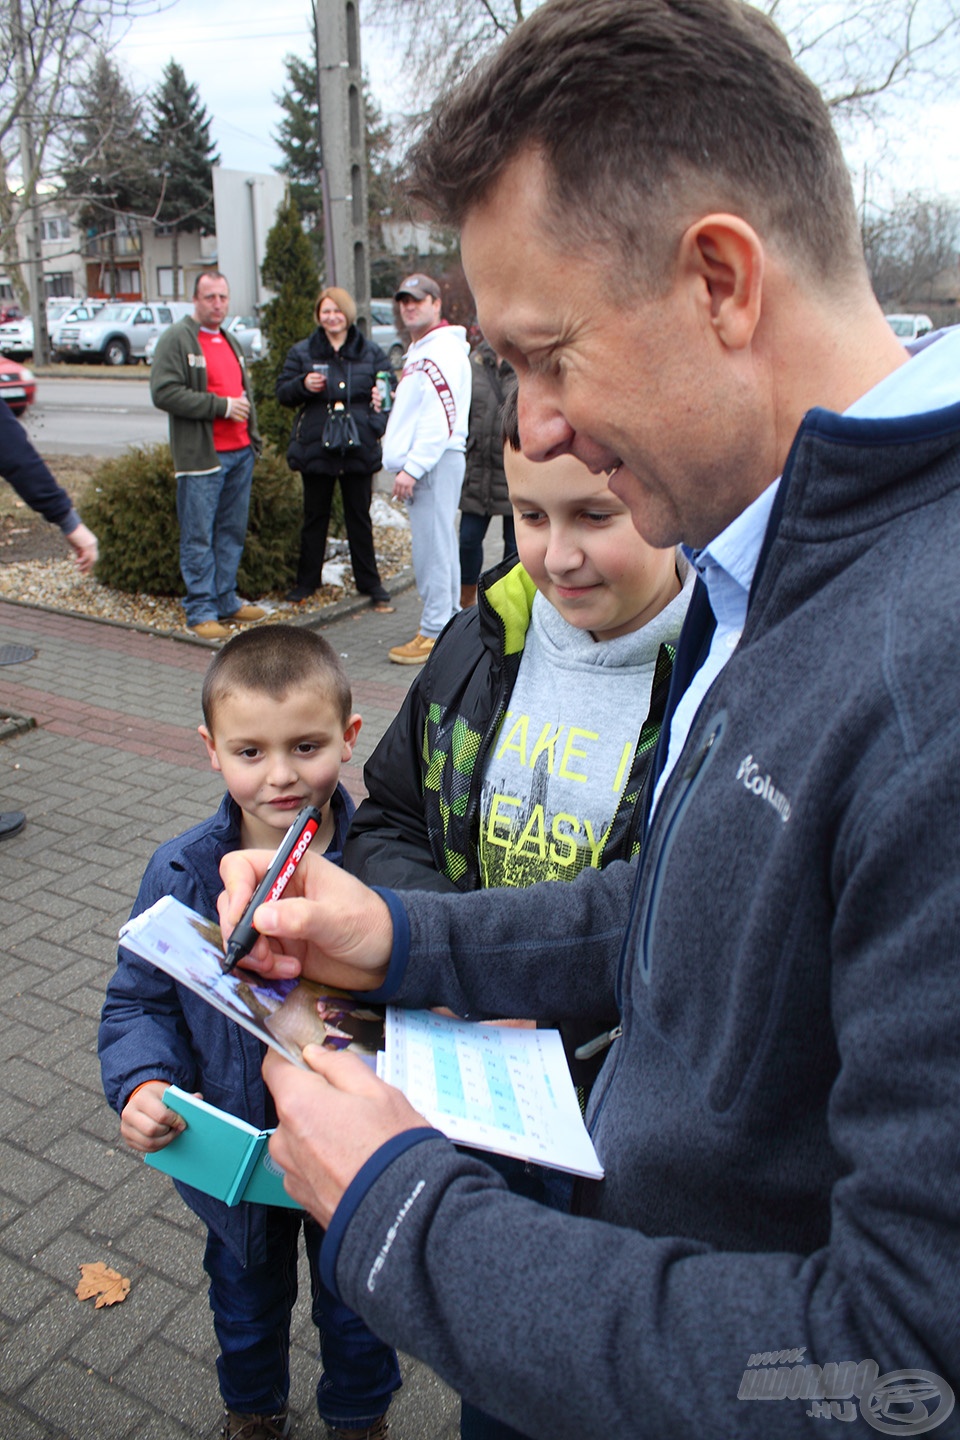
x,y
178,384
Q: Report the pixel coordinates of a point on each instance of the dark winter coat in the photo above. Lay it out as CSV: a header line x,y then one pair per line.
x,y
153,1028
352,373
484,483
419,827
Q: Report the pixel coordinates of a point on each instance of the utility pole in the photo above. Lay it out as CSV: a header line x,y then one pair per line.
x,y
342,138
34,258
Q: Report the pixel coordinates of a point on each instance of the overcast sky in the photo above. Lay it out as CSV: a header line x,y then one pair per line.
x,y
234,51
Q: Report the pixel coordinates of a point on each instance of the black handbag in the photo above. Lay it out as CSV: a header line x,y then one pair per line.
x,y
340,431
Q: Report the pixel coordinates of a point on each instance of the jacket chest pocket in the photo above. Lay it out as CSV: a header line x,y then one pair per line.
x,y
718,965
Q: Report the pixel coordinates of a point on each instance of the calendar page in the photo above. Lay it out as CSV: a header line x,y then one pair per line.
x,y
494,1087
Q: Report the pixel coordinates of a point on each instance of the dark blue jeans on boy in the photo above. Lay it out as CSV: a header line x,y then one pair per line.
x,y
252,1306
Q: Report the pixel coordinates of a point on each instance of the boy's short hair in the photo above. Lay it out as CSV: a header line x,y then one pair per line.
x,y
510,414
648,113
273,660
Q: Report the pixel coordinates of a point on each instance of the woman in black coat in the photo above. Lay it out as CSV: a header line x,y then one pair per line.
x,y
335,366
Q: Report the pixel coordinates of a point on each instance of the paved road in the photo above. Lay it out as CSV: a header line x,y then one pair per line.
x,y
113,767
94,417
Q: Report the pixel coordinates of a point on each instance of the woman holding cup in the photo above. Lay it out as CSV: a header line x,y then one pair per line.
x,y
331,380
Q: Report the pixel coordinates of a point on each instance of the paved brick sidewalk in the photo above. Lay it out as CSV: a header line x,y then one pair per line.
x,y
113,767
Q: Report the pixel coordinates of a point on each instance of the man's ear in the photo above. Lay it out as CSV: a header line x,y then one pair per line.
x,y
207,739
351,731
724,256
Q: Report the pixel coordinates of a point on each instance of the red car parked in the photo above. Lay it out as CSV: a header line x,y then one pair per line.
x,y
17,385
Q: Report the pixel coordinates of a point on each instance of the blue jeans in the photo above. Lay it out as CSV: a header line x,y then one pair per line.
x,y
251,1315
212,510
473,529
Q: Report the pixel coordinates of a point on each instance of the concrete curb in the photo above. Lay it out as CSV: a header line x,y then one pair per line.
x,y
326,615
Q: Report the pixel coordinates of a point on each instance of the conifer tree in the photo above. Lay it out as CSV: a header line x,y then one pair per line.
x,y
107,161
183,153
298,138
290,269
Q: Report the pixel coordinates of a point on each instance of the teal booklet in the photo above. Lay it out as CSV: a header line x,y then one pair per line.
x,y
220,1154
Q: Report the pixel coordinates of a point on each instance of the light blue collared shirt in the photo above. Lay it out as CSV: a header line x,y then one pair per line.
x,y
727,565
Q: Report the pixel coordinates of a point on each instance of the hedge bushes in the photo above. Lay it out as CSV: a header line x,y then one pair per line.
x,y
131,507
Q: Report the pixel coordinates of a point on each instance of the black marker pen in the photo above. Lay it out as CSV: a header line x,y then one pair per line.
x,y
291,851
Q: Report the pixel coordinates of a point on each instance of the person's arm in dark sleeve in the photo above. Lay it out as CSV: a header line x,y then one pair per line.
x,y
290,389
388,843
33,481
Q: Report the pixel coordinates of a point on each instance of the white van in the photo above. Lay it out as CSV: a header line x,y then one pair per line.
x,y
910,327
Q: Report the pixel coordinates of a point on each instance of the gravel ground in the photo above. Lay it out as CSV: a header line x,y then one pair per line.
x,y
36,567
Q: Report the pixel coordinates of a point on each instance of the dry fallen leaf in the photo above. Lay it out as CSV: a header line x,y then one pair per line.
x,y
109,1286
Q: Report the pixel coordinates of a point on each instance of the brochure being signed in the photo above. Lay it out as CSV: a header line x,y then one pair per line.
x,y
494,1087
286,1014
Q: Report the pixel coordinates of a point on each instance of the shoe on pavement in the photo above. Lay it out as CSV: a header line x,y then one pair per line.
x,y
414,652
245,613
376,1430
254,1427
211,630
11,823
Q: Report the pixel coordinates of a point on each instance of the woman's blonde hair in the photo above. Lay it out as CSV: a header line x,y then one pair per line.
x,y
341,298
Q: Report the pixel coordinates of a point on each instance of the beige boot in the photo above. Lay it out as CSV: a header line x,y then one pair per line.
x,y
468,596
415,652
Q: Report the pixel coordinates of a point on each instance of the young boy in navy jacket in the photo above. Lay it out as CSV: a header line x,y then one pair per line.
x,y
278,725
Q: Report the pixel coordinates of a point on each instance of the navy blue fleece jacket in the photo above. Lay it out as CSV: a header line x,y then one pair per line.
x,y
152,1028
780,1120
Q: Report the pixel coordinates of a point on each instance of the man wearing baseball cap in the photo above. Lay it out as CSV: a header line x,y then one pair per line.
x,y
424,444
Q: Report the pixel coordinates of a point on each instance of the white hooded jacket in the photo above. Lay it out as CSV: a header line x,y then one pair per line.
x,y
431,410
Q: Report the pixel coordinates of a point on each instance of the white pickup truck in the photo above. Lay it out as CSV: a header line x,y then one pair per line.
x,y
119,333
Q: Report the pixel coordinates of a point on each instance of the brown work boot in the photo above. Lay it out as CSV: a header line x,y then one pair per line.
x,y
210,630
254,1427
414,652
376,1430
245,614
468,596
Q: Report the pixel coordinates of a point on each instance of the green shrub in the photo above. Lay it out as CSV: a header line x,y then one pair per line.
x,y
131,507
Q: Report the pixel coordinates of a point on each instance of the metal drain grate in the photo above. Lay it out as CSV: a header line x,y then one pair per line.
x,y
15,654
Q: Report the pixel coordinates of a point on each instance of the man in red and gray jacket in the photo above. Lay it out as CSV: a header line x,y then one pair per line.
x,y
199,377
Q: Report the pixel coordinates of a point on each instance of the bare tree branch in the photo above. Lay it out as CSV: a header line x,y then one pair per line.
x,y
860,52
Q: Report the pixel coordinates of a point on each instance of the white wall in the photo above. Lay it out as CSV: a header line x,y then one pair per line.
x,y
246,205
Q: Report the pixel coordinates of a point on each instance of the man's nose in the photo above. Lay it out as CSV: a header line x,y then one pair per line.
x,y
544,433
